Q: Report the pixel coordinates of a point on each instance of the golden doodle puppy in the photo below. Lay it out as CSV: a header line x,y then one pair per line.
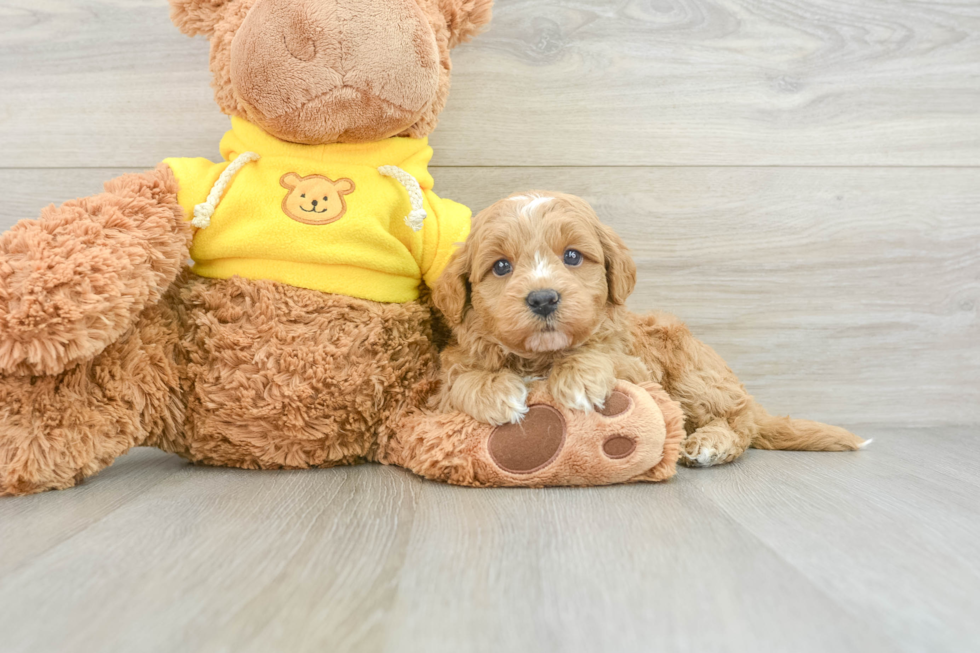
x,y
537,295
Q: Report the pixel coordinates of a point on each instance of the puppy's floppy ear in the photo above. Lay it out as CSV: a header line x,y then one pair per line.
x,y
620,267
452,290
465,18
197,17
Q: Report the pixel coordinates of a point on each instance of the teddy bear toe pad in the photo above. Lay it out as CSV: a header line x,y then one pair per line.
x,y
618,446
617,404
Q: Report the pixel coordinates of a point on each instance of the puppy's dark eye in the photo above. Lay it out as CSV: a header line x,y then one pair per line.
x,y
573,258
502,268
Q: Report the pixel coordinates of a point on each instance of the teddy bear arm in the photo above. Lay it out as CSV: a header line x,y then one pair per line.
x,y
74,280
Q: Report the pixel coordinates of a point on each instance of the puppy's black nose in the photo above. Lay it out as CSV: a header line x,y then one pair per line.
x,y
543,302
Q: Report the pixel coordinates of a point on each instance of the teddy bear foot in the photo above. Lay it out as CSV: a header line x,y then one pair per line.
x,y
636,437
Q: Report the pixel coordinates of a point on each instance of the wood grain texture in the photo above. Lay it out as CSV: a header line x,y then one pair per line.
x,y
634,82
866,551
856,536
799,180
845,295
64,515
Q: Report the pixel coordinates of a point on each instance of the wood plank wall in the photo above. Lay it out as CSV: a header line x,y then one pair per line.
x,y
799,180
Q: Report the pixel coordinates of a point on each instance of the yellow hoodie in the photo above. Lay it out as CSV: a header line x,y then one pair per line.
x,y
322,217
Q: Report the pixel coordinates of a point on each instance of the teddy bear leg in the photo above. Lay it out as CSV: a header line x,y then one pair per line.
x,y
57,429
635,437
76,279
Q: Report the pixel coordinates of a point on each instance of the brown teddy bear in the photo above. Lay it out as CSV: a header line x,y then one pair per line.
x,y
299,336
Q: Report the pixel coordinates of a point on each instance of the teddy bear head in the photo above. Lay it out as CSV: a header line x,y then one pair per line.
x,y
327,71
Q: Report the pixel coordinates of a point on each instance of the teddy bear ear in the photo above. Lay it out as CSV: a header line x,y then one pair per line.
x,y
465,18
290,180
197,17
344,186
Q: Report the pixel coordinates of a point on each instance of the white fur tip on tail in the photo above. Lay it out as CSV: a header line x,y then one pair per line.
x,y
864,444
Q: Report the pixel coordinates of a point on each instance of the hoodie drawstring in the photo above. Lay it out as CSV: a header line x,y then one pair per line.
x,y
411,184
204,211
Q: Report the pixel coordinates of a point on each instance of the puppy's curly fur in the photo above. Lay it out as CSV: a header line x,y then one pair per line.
x,y
538,293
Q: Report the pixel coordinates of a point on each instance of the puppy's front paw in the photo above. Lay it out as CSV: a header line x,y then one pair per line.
x,y
715,444
493,399
578,391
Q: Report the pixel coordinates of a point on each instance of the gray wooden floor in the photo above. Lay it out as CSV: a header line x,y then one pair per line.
x,y
870,551
799,180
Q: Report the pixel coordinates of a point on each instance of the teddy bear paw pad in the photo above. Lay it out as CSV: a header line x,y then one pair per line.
x,y
616,404
530,445
618,446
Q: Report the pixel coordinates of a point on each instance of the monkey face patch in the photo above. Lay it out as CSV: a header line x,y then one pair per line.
x,y
315,199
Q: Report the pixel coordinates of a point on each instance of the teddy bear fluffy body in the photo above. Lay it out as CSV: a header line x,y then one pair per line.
x,y
108,340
